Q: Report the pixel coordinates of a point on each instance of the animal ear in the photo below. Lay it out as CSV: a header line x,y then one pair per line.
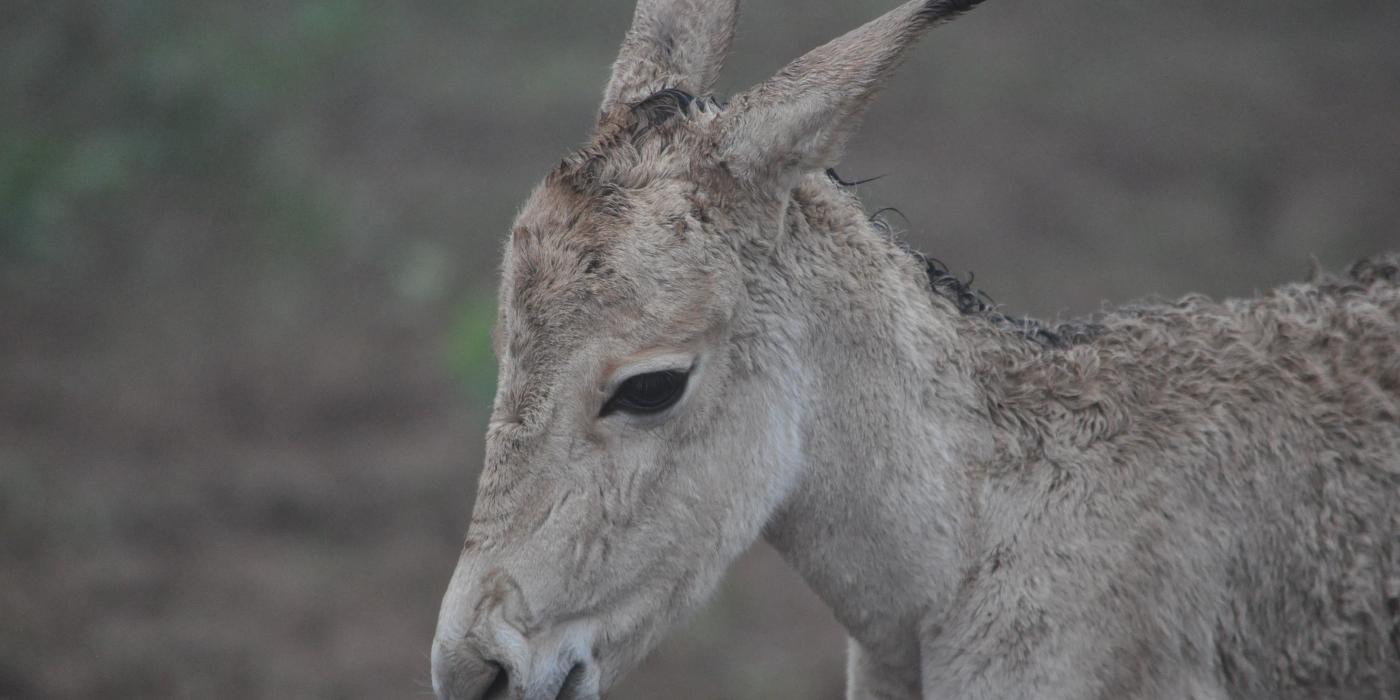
x,y
799,120
672,44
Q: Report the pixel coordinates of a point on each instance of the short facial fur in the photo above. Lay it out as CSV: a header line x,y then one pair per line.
x,y
1189,500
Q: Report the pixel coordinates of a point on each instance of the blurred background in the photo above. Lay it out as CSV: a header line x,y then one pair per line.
x,y
247,265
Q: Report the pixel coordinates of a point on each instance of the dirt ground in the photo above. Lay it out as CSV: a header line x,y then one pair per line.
x,y
247,256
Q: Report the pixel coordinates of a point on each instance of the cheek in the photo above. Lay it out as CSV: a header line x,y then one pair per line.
x,y
761,449
714,473
735,469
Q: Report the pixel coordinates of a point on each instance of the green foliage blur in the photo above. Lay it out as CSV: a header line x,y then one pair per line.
x,y
470,347
143,96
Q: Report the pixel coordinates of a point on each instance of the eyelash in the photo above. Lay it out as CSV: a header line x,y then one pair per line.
x,y
649,393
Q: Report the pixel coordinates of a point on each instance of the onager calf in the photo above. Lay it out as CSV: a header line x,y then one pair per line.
x,y
703,340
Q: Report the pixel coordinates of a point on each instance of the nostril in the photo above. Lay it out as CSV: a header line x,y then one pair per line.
x,y
500,684
573,683
461,672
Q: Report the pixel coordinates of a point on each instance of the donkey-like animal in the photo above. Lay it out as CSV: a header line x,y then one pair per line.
x,y
703,340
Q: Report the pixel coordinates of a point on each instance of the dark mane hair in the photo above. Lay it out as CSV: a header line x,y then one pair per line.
x,y
584,170
971,301
662,106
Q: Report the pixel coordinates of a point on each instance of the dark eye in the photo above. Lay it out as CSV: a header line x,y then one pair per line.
x,y
652,392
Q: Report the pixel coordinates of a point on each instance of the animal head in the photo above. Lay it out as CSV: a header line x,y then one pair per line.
x,y
646,424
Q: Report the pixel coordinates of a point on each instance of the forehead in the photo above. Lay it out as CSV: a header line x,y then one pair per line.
x,y
607,259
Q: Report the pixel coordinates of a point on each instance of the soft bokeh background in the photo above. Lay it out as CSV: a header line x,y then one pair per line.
x,y
247,262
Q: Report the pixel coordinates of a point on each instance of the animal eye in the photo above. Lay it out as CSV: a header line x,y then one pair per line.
x,y
652,392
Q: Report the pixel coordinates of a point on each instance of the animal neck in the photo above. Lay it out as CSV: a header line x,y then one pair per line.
x,y
882,521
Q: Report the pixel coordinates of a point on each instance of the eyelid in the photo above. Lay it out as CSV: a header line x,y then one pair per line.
x,y
669,362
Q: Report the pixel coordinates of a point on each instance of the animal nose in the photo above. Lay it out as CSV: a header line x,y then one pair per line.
x,y
467,671
461,672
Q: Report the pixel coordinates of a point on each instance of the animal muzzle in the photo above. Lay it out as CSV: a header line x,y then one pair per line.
x,y
488,646
471,668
